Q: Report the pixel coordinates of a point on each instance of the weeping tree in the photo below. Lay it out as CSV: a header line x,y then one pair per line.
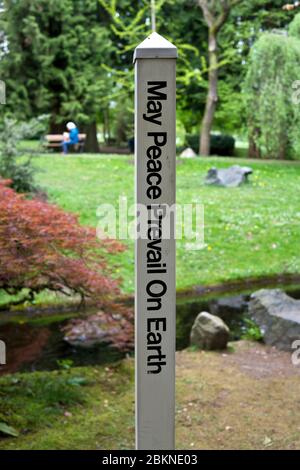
x,y
273,112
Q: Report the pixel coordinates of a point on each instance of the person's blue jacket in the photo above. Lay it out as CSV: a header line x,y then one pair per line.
x,y
74,136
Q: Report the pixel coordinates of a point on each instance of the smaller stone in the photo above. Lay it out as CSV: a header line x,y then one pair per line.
x,y
89,332
188,153
209,332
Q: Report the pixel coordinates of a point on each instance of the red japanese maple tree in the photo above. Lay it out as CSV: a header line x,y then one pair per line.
x,y
42,247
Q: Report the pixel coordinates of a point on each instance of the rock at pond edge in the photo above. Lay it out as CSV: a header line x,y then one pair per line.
x,y
209,332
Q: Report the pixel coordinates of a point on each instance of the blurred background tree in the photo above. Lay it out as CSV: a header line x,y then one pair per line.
x,y
273,116
73,60
21,174
52,56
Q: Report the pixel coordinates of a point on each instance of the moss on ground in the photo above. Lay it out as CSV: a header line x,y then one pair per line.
x,y
244,399
80,408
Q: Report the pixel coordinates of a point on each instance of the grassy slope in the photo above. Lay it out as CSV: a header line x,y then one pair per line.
x,y
247,399
249,231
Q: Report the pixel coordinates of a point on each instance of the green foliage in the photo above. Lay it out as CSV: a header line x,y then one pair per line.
x,y
192,141
123,119
253,332
11,134
182,22
55,60
294,27
273,117
73,59
65,364
230,113
8,430
130,25
43,395
222,145
247,21
57,391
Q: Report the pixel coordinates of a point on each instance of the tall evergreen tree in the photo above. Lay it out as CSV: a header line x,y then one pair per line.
x,y
52,57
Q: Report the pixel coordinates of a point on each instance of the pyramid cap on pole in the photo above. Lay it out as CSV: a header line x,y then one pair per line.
x,y
155,47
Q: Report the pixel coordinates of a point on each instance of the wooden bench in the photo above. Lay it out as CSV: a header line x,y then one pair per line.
x,y
54,141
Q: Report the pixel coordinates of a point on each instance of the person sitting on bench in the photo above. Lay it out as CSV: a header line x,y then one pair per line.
x,y
71,137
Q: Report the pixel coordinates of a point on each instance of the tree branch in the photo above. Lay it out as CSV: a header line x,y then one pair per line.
x,y
214,18
14,303
209,18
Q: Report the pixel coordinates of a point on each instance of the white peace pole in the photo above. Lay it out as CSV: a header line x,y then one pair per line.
x,y
155,298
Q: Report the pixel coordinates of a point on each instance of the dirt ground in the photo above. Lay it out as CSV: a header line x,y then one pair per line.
x,y
244,399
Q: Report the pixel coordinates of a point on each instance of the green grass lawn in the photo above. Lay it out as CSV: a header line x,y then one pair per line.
x,y
251,231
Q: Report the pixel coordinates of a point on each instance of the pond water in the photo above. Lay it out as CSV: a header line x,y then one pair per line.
x,y
39,345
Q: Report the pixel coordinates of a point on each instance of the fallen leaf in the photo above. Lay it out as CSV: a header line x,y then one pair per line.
x,y
8,430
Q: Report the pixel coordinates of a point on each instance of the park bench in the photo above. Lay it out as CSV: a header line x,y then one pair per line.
x,y
53,141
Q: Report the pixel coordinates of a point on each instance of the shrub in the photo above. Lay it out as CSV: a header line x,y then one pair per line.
x,y
252,331
192,141
223,145
294,27
11,133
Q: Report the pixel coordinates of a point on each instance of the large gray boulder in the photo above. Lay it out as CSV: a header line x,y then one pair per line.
x,y
209,332
229,177
228,308
278,317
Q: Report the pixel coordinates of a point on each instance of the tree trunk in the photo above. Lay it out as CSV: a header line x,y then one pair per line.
x,y
283,147
212,96
108,125
254,150
55,128
91,143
